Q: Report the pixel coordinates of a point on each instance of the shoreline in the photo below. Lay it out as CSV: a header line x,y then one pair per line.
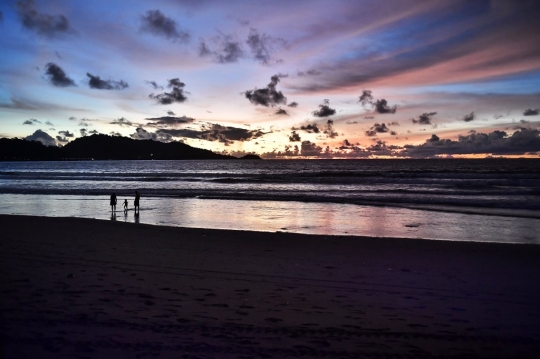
x,y
291,217
93,288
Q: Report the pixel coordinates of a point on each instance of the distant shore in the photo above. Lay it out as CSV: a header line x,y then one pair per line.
x,y
109,289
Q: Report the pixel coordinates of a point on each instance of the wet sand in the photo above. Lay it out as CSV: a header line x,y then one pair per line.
x,y
83,288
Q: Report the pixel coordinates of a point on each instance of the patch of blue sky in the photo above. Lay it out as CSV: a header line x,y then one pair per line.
x,y
528,83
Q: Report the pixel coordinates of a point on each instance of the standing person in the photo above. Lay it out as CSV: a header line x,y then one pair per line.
x,y
125,206
113,202
136,203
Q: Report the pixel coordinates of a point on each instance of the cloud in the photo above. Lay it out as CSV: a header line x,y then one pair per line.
x,y
294,137
94,132
176,95
520,142
49,123
154,85
169,121
42,137
225,49
57,76
267,96
115,134
324,110
142,134
281,111
310,149
531,112
377,128
156,23
170,113
311,128
469,117
66,134
329,129
83,132
308,73
84,124
43,24
262,46
381,106
31,121
425,118
215,132
293,104
61,139
95,82
122,121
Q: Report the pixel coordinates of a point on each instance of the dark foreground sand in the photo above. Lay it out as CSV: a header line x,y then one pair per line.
x,y
80,288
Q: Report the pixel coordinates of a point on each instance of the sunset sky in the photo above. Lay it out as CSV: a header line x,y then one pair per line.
x,y
283,79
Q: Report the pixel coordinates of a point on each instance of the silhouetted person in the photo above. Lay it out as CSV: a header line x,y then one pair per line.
x,y
137,199
125,205
113,202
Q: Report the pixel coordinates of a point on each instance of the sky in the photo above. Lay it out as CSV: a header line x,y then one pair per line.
x,y
282,79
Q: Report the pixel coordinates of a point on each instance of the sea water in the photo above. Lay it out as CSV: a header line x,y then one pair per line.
x,y
473,200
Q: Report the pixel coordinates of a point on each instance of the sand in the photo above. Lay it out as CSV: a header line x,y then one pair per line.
x,y
82,288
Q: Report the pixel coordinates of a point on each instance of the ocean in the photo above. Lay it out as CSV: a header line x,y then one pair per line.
x,y
449,199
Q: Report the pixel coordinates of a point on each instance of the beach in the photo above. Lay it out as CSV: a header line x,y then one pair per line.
x,y
86,288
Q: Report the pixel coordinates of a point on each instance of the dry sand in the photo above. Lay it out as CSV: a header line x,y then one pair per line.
x,y
81,288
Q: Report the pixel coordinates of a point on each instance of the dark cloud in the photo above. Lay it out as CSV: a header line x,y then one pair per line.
x,y
156,23
72,118
311,128
366,98
308,73
61,139
66,133
377,128
43,24
469,117
31,121
324,110
84,124
294,137
49,123
94,132
42,137
176,95
522,141
393,123
142,134
267,96
281,111
425,118
115,134
57,76
329,129
169,121
293,104
531,112
154,85
225,49
170,113
262,46
380,106
310,149
95,82
215,132
122,121
83,132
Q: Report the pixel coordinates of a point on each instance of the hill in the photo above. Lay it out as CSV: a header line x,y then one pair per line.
x,y
103,147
